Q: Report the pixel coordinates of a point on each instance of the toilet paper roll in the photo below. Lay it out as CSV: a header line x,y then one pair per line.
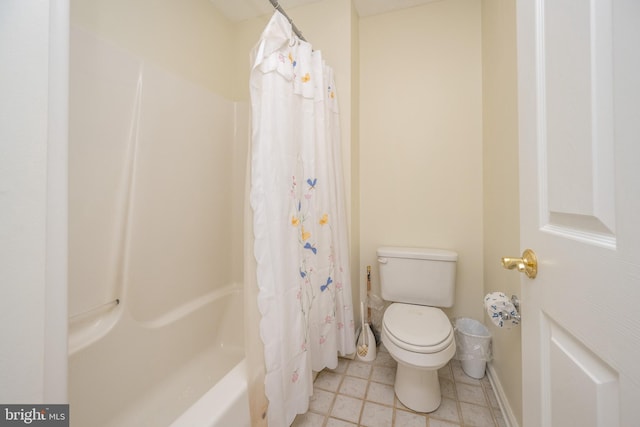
x,y
501,310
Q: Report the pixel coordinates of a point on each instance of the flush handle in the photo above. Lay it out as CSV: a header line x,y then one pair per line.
x,y
382,260
528,264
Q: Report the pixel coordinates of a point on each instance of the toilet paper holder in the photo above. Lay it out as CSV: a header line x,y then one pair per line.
x,y
516,303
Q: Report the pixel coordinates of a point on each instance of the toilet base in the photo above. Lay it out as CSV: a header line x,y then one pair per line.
x,y
418,389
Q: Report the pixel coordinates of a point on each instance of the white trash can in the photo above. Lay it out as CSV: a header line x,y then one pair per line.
x,y
473,346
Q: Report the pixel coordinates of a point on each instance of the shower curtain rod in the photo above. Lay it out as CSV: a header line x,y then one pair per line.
x,y
276,4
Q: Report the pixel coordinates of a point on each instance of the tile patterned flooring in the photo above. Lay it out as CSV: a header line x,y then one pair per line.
x,y
360,393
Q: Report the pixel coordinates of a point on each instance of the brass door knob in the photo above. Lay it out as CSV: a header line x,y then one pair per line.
x,y
528,264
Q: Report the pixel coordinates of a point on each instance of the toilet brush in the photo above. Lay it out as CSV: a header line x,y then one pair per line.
x,y
363,348
370,299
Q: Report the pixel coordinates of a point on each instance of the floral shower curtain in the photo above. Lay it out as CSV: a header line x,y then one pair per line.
x,y
299,222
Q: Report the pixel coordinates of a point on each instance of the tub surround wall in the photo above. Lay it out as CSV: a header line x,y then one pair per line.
x,y
153,203
153,143
180,239
149,196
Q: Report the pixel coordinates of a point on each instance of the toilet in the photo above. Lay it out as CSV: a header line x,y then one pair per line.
x,y
415,331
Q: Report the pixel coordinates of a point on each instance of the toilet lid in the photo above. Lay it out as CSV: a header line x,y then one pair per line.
x,y
418,328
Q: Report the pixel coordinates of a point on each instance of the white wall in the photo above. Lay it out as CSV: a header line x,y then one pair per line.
x,y
421,138
33,54
501,194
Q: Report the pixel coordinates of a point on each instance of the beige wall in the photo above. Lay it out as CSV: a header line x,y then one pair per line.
x,y
439,153
190,38
500,157
421,138
357,274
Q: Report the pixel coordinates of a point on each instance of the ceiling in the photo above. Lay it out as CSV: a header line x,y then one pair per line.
x,y
240,10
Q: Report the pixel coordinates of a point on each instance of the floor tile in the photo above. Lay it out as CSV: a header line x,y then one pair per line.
x,y
347,408
471,394
384,374
448,410
321,401
355,387
342,366
385,359
360,394
381,393
440,423
333,422
476,416
410,419
448,388
328,381
445,372
359,369
375,415
460,376
308,420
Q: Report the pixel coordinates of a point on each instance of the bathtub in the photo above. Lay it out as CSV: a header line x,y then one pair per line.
x,y
225,404
185,368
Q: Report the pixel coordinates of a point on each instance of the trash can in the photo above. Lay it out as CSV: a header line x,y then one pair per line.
x,y
473,346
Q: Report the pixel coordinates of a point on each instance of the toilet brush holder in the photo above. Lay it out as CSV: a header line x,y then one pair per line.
x,y
370,339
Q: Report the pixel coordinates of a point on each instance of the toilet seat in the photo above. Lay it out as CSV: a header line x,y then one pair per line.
x,y
417,328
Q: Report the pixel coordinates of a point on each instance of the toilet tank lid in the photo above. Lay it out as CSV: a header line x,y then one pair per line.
x,y
417,253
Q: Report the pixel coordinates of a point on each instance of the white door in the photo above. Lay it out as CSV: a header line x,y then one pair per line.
x,y
579,118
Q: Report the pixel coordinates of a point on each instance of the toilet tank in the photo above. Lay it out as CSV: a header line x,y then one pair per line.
x,y
423,276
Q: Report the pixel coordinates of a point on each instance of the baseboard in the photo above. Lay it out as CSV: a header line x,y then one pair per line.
x,y
507,412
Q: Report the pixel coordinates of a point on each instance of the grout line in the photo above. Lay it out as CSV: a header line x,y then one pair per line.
x,y
488,400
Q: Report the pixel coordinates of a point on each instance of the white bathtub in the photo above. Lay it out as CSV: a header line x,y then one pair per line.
x,y
184,368
226,404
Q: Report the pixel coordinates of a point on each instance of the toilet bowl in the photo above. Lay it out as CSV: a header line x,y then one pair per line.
x,y
421,340
415,331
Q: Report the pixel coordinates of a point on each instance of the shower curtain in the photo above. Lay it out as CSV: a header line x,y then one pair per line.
x,y
299,221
